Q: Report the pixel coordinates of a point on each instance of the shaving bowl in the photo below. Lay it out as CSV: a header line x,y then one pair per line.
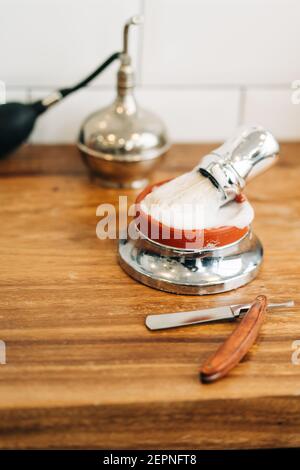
x,y
195,238
194,262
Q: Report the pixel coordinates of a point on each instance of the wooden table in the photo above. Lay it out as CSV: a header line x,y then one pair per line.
x,y
83,371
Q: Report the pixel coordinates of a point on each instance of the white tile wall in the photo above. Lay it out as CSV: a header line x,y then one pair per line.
x,y
275,110
194,115
205,66
52,43
62,122
195,42
18,95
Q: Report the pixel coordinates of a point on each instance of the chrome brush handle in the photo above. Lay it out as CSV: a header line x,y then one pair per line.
x,y
239,159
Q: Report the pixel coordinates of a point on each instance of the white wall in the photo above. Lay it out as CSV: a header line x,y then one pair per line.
x,y
205,66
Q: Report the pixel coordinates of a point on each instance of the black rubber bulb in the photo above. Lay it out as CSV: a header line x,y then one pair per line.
x,y
16,123
17,120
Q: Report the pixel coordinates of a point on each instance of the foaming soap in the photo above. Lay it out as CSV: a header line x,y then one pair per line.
x,y
191,202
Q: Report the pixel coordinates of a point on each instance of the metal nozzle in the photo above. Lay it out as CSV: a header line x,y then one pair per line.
x,y
134,20
126,79
249,152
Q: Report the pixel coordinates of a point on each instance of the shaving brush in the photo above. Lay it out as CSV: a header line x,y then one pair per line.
x,y
248,153
208,200
193,235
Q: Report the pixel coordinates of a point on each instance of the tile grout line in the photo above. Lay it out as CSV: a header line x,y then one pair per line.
x,y
162,87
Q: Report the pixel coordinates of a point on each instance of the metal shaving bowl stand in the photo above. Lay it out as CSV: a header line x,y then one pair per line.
x,y
194,272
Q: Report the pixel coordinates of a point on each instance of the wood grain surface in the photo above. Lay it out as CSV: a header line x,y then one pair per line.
x,y
83,371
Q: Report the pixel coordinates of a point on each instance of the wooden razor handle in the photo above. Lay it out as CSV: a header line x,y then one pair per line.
x,y
237,345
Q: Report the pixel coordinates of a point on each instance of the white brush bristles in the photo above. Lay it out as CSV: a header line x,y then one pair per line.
x,y
190,201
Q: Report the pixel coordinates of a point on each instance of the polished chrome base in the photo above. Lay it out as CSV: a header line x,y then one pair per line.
x,y
195,272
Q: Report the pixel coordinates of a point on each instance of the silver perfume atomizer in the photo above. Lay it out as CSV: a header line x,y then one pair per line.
x,y
246,154
122,143
228,257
